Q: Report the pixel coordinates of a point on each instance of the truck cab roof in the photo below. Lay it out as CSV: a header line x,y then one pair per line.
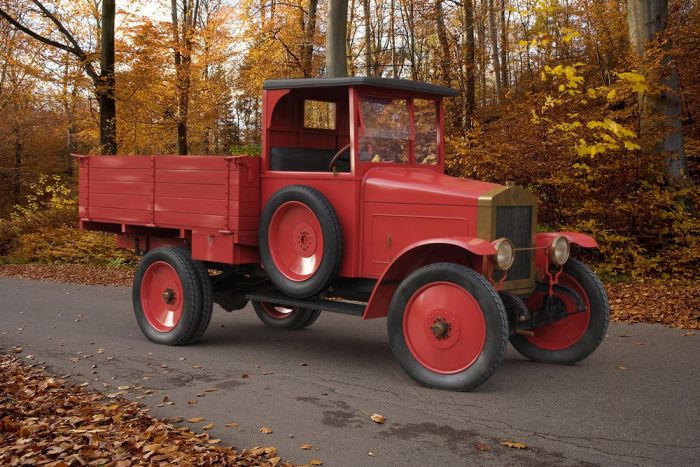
x,y
388,83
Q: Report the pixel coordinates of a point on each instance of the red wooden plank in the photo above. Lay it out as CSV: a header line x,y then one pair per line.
x,y
191,163
127,188
177,190
245,209
186,177
126,216
120,162
120,175
245,223
191,206
192,221
246,193
121,201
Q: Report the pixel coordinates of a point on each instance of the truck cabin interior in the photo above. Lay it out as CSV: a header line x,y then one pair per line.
x,y
307,128
308,124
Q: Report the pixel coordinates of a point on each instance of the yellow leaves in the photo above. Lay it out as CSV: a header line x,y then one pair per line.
x,y
379,419
637,81
570,35
613,127
630,146
522,43
265,430
611,95
514,444
535,119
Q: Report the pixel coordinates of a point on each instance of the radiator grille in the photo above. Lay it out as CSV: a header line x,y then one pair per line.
x,y
515,223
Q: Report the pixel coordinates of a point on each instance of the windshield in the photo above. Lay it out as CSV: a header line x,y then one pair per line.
x,y
387,134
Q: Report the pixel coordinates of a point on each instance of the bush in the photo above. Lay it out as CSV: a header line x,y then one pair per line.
x,y
45,230
69,245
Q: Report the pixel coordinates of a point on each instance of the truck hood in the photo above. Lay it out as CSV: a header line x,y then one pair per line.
x,y
421,186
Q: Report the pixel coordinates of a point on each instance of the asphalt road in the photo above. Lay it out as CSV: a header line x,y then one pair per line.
x,y
636,401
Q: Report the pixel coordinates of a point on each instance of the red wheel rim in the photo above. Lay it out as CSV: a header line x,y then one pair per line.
x,y
444,327
278,311
296,241
161,296
566,332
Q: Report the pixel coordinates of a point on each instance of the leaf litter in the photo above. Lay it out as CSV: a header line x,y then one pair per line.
x,y
46,421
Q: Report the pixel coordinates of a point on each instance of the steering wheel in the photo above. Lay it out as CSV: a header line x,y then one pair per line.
x,y
337,155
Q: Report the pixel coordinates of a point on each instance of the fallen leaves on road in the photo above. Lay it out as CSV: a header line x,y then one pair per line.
x,y
305,446
231,425
514,444
376,418
316,462
45,421
196,419
265,430
74,273
482,447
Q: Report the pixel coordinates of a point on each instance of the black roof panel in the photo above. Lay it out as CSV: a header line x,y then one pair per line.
x,y
390,83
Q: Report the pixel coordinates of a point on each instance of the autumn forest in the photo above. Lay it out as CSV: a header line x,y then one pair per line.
x,y
590,104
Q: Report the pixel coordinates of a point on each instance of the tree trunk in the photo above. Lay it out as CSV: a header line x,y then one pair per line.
x,y
18,147
309,33
647,20
336,57
368,38
105,92
504,48
392,38
483,55
495,58
445,59
470,94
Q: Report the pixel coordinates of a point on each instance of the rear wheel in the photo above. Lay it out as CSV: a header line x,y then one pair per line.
x,y
284,317
575,337
447,327
172,297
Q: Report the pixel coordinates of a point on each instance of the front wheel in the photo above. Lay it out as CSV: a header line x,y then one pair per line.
x,y
447,327
573,338
283,317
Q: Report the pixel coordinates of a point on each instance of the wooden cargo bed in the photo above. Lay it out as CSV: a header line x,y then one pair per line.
x,y
208,203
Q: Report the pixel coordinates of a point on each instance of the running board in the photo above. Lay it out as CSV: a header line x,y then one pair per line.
x,y
278,298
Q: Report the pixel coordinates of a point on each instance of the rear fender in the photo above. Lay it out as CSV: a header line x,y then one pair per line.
x,y
460,250
544,240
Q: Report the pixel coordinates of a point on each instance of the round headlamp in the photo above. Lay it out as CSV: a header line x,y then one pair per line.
x,y
505,253
559,250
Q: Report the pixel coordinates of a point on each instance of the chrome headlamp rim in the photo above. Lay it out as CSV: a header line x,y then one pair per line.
x,y
559,250
505,253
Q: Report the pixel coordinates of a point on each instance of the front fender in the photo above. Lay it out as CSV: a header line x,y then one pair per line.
x,y
544,239
468,251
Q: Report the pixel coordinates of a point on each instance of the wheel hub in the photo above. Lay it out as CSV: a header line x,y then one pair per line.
x,y
440,328
304,240
169,296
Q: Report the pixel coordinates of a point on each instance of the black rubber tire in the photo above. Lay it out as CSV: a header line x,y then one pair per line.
x,y
207,289
300,318
197,292
332,241
597,326
493,311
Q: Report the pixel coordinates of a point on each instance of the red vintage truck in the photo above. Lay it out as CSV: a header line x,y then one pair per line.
x,y
348,210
